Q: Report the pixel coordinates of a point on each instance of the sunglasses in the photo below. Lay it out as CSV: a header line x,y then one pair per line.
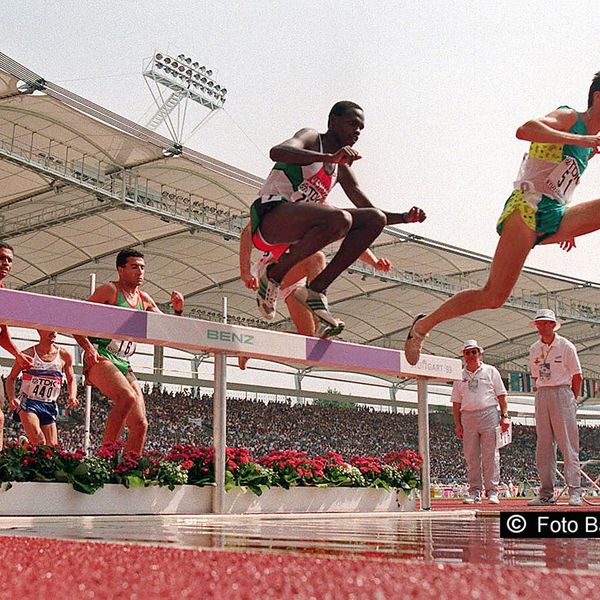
x,y
469,352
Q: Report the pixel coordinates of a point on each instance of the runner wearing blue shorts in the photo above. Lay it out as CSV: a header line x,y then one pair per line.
x,y
36,406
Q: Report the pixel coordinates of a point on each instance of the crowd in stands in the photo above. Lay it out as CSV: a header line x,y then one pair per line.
x,y
181,418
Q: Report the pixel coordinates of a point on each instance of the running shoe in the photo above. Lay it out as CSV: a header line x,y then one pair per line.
x,y
472,499
542,501
575,499
317,303
327,331
266,297
493,498
413,343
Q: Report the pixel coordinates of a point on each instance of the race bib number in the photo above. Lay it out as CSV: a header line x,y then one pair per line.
x,y
563,180
44,389
122,348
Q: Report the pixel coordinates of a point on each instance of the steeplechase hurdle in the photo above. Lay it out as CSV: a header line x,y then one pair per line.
x,y
36,311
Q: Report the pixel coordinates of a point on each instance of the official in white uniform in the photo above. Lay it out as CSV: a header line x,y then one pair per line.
x,y
475,402
556,369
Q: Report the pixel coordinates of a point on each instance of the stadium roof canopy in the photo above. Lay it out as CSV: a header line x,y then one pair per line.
x,y
79,183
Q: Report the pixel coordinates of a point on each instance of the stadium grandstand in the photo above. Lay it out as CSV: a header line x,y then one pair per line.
x,y
81,183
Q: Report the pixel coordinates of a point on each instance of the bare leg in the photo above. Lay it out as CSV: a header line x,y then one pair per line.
x,y
114,385
136,421
513,248
31,425
367,225
303,319
308,227
578,220
51,434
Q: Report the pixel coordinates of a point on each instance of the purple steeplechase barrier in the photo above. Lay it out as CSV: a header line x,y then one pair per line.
x,y
71,316
354,356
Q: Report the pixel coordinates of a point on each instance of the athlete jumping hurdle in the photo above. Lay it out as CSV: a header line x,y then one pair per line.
x,y
536,212
291,212
107,361
298,276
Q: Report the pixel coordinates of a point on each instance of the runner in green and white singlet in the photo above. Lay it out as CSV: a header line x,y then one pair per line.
x,y
107,361
291,213
118,352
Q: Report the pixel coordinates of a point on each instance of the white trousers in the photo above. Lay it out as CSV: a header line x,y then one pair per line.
x,y
479,448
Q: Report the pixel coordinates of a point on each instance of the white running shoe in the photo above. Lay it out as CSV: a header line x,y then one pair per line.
x,y
575,499
493,498
317,303
472,499
266,297
327,331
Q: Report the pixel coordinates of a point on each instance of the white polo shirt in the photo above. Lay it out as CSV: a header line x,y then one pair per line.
x,y
478,389
554,364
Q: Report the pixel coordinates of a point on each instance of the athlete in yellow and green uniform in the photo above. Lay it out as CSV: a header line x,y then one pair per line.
x,y
537,212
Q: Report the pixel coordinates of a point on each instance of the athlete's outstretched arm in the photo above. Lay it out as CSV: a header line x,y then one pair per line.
x,y
177,302
554,129
11,379
379,264
355,194
6,342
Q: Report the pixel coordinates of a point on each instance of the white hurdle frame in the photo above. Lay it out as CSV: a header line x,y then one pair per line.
x,y
36,311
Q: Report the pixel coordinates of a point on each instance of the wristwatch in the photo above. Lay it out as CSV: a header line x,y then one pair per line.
x,y
505,416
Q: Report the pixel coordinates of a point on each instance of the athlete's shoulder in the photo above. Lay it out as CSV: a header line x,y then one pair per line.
x,y
307,135
147,301
65,355
105,294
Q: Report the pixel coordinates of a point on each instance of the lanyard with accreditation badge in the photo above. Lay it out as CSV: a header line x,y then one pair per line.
x,y
544,367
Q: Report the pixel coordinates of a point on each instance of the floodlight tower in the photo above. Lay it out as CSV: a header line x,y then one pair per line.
x,y
185,79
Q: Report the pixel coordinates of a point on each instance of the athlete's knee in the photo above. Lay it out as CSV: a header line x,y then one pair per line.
x,y
377,218
494,298
317,261
37,438
138,424
339,223
124,401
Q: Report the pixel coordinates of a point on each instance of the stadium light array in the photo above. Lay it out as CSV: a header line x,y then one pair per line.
x,y
183,75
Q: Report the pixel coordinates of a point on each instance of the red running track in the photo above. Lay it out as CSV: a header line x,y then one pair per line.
x,y
40,567
512,504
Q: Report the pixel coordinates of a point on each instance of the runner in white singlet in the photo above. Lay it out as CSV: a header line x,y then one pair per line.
x,y
36,406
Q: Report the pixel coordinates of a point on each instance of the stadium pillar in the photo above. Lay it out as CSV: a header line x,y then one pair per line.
x,y
159,360
219,424
423,420
393,389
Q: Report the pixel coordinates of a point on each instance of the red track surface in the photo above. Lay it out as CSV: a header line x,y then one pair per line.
x,y
39,567
510,504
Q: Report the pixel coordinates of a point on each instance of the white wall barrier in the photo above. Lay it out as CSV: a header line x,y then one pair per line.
x,y
24,309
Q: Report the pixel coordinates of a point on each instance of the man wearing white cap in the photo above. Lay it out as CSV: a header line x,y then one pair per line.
x,y
475,402
556,370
